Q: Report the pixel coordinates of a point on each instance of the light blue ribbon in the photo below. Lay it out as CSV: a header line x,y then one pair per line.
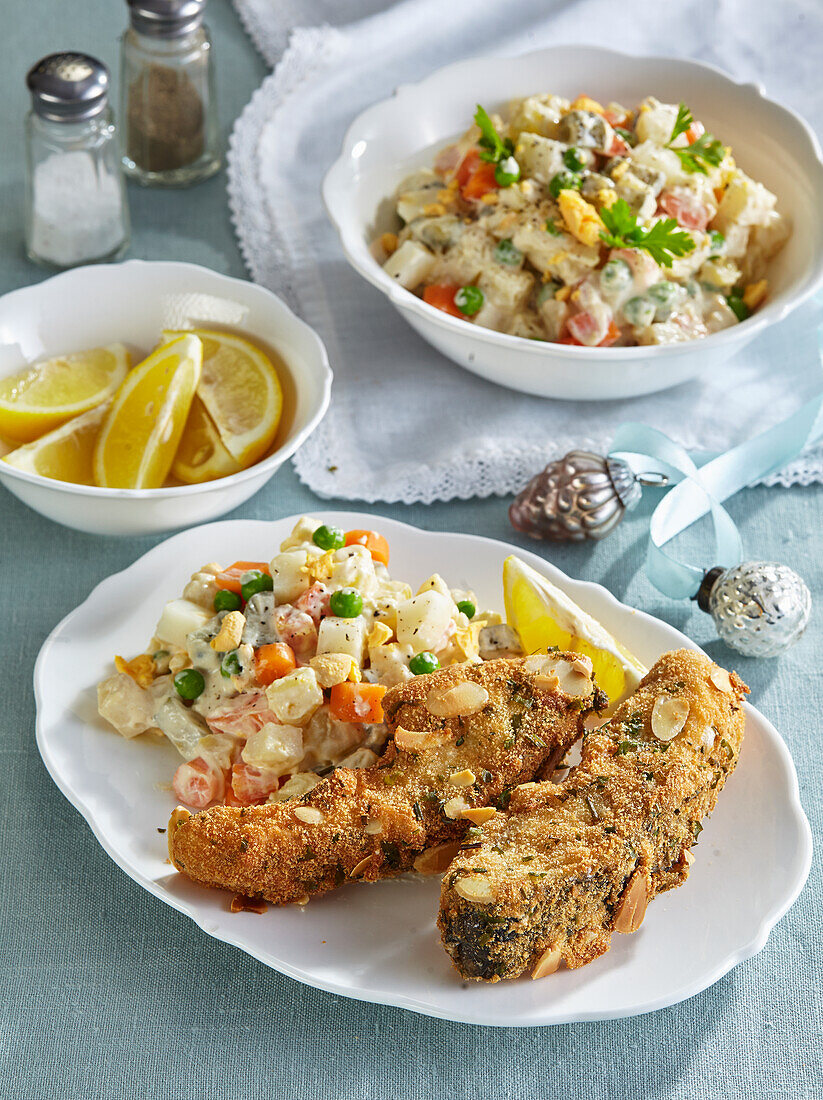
x,y
698,490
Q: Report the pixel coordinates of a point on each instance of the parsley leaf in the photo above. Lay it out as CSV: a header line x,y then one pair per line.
x,y
682,122
494,147
704,151
663,240
707,150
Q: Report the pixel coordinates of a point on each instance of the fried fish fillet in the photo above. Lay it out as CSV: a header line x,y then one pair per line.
x,y
460,737
570,863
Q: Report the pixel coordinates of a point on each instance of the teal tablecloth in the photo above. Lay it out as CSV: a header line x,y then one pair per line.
x,y
107,993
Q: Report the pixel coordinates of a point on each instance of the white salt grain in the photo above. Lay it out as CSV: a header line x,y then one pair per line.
x,y
77,210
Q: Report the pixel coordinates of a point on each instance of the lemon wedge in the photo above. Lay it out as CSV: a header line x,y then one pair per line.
x,y
47,394
241,392
66,453
544,616
140,435
201,455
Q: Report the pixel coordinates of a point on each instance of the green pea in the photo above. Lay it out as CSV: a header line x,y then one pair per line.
x,y
553,229
506,253
422,663
639,312
230,665
347,603
573,160
253,582
469,300
224,600
547,292
665,296
564,181
328,538
189,683
507,172
616,275
467,607
717,244
737,305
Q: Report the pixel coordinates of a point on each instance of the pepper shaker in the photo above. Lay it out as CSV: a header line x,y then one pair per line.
x,y
167,89
76,210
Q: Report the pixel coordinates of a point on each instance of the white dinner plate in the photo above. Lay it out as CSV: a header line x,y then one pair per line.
x,y
379,943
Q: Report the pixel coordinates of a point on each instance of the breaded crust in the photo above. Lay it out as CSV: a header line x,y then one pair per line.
x,y
572,862
376,822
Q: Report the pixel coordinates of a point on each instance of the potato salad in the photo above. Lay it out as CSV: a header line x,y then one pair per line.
x,y
576,223
266,675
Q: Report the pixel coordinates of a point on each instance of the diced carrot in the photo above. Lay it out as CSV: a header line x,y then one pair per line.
x,y
441,296
250,785
696,130
273,661
362,702
481,181
612,333
376,545
230,577
467,166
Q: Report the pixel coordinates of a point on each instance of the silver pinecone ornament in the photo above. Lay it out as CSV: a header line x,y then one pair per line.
x,y
759,607
580,496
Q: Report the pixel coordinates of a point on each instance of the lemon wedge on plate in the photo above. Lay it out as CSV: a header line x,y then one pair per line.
x,y
201,455
241,392
66,453
139,437
544,616
47,394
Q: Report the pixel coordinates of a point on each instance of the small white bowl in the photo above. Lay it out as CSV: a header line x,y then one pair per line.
x,y
392,138
132,303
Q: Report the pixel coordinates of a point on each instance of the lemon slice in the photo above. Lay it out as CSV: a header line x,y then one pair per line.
x,y
66,453
201,455
241,392
47,394
139,437
544,616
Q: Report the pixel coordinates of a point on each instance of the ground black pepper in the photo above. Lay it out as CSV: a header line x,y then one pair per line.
x,y
165,120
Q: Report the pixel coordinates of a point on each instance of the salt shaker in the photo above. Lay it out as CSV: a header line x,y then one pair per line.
x,y
167,89
76,210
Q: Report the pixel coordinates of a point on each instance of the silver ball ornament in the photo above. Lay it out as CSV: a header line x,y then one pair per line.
x,y
580,496
759,607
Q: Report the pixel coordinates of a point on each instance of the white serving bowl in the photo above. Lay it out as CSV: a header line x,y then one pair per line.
x,y
132,303
392,138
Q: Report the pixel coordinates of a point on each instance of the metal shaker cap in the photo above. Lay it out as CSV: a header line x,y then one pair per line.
x,y
68,86
166,18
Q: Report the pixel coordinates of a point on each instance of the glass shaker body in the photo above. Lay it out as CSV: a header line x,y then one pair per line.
x,y
169,118
76,207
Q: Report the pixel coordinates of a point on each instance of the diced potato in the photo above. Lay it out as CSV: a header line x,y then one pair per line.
x,y
505,287
744,202
661,160
560,257
360,758
182,725
463,263
179,619
295,697
435,583
288,574
655,121
422,620
217,749
354,567
720,273
390,663
125,705
301,533
295,786
278,748
410,265
202,587
337,635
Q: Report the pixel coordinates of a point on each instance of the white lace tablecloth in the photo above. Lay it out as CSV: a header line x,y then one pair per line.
x,y
405,424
